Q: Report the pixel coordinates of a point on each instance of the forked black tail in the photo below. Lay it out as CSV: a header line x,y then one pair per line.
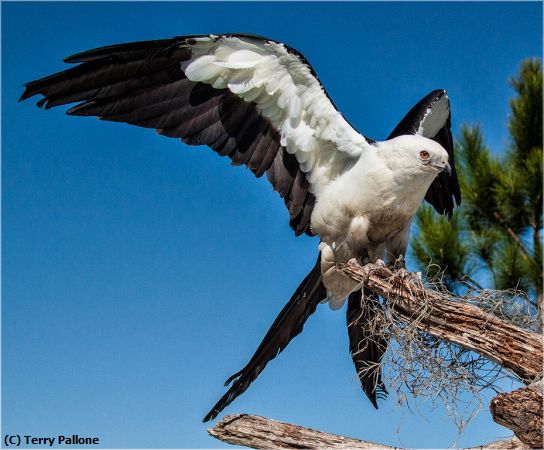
x,y
366,344
287,325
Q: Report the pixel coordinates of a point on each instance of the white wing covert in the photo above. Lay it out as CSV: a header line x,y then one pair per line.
x,y
287,93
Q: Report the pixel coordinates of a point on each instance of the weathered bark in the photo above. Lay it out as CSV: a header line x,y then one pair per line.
x,y
260,432
512,347
508,444
521,411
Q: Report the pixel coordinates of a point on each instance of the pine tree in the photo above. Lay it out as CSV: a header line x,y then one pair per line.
x,y
495,237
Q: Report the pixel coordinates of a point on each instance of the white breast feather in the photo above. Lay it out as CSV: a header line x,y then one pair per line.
x,y
287,94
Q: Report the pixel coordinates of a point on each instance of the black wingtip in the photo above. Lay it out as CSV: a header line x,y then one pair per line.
x,y
31,89
23,96
73,59
210,416
233,377
379,393
437,94
93,54
27,93
225,401
80,57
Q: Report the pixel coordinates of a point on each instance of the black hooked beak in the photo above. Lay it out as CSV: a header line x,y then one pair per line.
x,y
447,169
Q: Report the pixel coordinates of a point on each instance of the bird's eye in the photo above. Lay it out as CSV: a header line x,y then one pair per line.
x,y
424,155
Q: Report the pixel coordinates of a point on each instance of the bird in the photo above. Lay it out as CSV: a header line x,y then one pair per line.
x,y
259,102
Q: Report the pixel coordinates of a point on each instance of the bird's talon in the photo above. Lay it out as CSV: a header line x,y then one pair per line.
x,y
403,274
397,264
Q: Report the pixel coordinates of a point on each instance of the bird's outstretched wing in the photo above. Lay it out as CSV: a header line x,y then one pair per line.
x,y
255,100
431,118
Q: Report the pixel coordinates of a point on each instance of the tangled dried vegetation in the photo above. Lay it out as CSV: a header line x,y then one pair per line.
x,y
421,367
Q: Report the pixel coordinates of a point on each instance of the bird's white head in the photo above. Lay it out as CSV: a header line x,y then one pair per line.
x,y
415,154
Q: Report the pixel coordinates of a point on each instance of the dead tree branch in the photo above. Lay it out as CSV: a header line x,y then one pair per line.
x,y
514,348
260,432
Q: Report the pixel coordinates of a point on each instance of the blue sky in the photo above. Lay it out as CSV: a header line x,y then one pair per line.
x,y
138,273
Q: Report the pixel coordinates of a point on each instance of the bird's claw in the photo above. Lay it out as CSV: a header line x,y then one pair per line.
x,y
397,263
354,261
402,273
411,277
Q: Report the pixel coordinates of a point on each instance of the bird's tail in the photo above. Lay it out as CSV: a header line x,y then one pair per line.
x,y
287,325
367,344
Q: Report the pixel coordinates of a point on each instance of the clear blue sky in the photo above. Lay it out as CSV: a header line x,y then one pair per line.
x,y
138,273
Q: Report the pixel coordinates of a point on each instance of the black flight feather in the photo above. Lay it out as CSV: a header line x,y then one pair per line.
x,y
366,345
143,84
445,188
286,326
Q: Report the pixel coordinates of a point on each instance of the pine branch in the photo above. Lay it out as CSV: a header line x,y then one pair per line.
x,y
526,254
471,281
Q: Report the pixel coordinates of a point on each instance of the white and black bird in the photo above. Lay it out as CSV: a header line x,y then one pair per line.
x,y
260,103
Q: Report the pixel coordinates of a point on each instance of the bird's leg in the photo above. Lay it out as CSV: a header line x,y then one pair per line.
x,y
338,284
397,262
357,261
397,265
